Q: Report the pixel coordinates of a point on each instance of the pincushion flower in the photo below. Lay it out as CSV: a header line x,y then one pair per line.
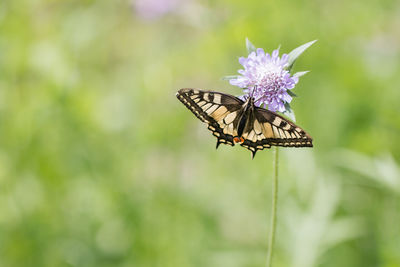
x,y
267,78
266,75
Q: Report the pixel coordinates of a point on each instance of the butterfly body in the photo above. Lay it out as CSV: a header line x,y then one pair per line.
x,y
232,121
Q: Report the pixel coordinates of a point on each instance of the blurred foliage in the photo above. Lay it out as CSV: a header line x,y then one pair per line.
x,y
100,165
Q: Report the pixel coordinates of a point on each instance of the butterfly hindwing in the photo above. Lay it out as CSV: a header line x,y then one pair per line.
x,y
265,129
220,111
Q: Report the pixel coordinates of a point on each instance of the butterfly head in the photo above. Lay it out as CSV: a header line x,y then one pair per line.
x,y
249,104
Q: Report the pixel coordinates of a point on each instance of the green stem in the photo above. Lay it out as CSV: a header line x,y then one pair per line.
x,y
273,211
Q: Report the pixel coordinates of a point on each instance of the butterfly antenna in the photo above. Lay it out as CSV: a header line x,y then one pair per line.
x,y
252,91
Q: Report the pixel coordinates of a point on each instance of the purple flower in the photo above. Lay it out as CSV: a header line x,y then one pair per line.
x,y
153,9
266,78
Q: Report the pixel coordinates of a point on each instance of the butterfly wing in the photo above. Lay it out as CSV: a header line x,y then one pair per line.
x,y
266,128
220,111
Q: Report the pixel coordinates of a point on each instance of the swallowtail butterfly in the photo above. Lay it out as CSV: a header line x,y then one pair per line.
x,y
233,121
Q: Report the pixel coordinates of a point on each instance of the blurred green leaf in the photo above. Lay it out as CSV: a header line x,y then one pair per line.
x,y
295,53
290,92
230,77
300,73
250,47
289,112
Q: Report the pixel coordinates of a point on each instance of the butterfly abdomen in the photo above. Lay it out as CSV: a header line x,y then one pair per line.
x,y
242,124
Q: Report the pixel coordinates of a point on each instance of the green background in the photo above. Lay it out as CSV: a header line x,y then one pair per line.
x,y
101,165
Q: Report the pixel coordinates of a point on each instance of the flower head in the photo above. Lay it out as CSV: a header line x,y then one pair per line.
x,y
266,78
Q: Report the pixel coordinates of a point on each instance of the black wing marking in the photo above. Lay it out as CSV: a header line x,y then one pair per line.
x,y
265,129
220,111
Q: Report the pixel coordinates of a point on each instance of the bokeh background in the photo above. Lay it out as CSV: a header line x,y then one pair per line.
x,y
100,164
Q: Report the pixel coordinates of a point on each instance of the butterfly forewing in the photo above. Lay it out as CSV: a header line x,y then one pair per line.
x,y
220,111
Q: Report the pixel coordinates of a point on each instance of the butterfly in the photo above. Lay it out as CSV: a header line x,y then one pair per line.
x,y
233,120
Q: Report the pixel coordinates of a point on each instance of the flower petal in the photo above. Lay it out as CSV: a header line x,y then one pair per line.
x,y
275,53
